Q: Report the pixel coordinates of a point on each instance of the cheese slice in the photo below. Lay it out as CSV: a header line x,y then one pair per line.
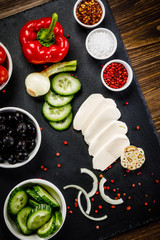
x,y
87,106
100,107
104,136
103,119
110,151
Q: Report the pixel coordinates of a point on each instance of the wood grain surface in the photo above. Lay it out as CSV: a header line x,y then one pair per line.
x,y
139,24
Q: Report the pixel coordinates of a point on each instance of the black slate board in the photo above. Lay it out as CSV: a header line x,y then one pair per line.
x,y
75,155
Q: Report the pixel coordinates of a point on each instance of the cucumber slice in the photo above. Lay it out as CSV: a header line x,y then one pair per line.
x,y
57,100
33,203
17,200
58,221
39,216
22,220
63,124
34,195
56,113
65,84
46,196
47,228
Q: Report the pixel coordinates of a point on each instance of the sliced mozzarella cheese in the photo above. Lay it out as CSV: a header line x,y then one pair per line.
x,y
100,107
103,119
110,152
87,106
106,134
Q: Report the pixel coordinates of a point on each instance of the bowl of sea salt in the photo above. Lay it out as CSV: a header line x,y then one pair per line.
x,y
101,43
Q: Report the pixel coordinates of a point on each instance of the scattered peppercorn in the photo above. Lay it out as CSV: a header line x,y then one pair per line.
x,y
92,199
133,185
112,206
157,181
114,190
68,207
97,227
57,154
112,181
126,103
101,175
115,75
41,128
45,169
107,187
128,208
58,165
145,203
89,12
97,192
100,206
70,211
68,36
118,195
3,91
138,127
65,142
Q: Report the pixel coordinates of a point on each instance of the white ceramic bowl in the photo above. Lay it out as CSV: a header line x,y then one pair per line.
x,y
38,137
85,25
48,186
8,65
101,43
129,79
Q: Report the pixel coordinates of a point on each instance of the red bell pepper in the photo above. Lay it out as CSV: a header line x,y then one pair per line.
x,y
43,40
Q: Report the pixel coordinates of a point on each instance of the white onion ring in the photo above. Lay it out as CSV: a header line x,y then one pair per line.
x,y
85,214
85,194
95,181
105,197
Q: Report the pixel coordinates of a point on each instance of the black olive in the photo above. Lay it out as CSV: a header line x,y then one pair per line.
x,y
1,159
2,118
11,159
30,144
21,128
31,130
2,127
8,141
10,131
21,156
19,116
21,144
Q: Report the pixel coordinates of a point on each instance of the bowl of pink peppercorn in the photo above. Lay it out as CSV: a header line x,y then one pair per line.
x,y
116,75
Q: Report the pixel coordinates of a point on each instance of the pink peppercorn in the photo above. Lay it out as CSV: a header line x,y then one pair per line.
x,y
115,75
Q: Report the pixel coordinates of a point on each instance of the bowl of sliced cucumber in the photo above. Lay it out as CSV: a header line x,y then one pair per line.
x,y
34,209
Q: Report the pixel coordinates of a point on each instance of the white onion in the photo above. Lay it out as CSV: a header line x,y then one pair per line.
x,y
88,216
85,194
37,84
105,197
95,181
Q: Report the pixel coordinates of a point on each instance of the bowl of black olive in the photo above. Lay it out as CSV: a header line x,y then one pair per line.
x,y
20,137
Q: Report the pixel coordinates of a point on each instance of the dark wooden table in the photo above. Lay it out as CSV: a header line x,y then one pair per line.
x,y
139,24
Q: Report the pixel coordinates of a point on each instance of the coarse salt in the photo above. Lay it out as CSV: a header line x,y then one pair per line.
x,y
101,44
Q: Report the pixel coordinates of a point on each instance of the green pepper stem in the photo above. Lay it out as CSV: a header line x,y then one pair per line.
x,y
46,36
51,27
